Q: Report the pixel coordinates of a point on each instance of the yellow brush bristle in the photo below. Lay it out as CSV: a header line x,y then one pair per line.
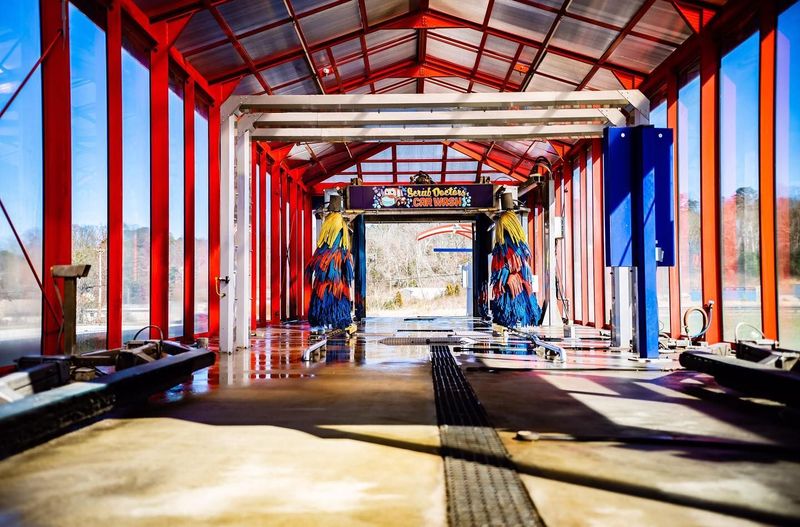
x,y
508,226
334,224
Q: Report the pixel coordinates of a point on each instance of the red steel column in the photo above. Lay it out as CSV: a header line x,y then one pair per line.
x,y
567,241
308,249
294,240
275,244
284,245
769,293
188,210
253,256
262,237
674,271
599,239
214,125
709,180
114,94
159,185
57,164
584,242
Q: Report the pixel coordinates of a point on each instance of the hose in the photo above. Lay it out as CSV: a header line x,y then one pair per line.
x,y
706,312
153,326
745,325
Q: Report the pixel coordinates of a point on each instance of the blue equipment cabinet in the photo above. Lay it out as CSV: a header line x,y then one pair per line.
x,y
639,216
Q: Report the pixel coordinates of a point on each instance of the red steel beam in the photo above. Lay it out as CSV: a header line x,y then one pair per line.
x,y
674,271
584,242
57,161
115,184
308,248
276,215
188,210
214,126
567,241
159,188
293,241
262,237
284,289
709,181
767,205
254,270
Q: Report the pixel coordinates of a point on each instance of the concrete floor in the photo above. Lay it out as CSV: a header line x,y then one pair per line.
x,y
262,438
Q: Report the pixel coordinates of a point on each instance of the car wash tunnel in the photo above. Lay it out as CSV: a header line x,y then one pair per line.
x,y
399,262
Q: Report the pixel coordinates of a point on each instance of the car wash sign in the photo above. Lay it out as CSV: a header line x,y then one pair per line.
x,y
420,197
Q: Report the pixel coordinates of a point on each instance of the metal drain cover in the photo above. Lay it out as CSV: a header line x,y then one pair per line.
x,y
422,341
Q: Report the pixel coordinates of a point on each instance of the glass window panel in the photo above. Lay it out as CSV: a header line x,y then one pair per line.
x,y
176,211
689,218
739,198
135,195
87,44
200,223
577,271
20,181
658,118
787,187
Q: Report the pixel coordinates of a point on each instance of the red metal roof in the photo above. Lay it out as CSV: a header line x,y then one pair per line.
x,y
425,46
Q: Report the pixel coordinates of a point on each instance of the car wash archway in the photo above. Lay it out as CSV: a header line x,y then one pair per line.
x,y
471,204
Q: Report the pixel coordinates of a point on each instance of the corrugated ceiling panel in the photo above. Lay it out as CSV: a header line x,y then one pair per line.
x,y
202,29
460,165
429,167
580,37
501,46
380,10
564,68
640,54
248,86
331,23
376,38
376,167
604,79
521,19
346,49
463,35
473,10
477,87
246,15
361,89
270,42
378,179
301,6
384,83
431,86
393,55
352,69
419,151
610,11
455,55
452,153
304,87
340,178
286,72
216,60
662,21
455,81
494,67
299,152
410,87
540,83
